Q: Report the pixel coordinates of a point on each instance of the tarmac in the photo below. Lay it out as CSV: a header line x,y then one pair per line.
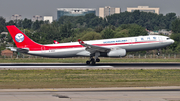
x,y
93,94
28,66
171,93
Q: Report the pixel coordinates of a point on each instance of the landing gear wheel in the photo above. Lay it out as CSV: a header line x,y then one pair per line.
x,y
97,60
93,63
88,62
92,59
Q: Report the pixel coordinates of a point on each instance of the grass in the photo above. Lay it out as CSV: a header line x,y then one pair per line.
x,y
87,78
83,60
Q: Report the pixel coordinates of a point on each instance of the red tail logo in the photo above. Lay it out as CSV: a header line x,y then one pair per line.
x,y
20,39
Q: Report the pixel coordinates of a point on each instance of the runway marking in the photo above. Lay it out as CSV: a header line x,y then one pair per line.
x,y
56,66
51,90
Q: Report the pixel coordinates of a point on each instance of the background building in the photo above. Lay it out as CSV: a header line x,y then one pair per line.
x,y
16,17
159,32
74,11
144,9
6,53
37,17
107,11
48,18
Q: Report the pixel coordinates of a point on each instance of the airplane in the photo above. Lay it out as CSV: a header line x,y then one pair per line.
x,y
116,47
55,42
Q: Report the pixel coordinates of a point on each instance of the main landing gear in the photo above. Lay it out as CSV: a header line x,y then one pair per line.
x,y
92,61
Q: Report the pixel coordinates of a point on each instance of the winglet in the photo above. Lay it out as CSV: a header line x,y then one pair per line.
x,y
55,42
80,41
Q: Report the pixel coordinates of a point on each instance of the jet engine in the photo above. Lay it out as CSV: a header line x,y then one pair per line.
x,y
117,53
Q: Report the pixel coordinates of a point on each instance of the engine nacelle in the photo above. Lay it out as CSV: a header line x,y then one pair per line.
x,y
117,53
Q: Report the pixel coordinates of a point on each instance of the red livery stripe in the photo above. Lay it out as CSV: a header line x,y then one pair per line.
x,y
33,46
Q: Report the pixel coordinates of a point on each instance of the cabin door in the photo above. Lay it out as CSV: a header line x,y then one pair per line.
x,y
160,40
43,49
130,41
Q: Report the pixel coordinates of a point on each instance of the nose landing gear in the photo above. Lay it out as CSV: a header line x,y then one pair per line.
x,y
158,53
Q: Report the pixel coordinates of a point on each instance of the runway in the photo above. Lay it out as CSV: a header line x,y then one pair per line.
x,y
93,94
84,66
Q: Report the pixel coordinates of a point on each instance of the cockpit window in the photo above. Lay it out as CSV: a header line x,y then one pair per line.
x,y
168,38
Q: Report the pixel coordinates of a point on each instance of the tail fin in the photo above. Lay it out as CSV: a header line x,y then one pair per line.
x,y
20,39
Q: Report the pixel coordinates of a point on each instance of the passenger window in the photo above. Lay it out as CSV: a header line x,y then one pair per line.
x,y
154,37
142,38
135,39
148,38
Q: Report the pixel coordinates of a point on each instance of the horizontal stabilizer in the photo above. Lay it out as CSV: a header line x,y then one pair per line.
x,y
22,50
12,49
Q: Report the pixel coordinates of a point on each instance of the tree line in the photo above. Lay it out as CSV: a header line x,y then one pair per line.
x,y
91,27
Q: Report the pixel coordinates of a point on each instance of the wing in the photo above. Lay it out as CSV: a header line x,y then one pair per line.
x,y
93,48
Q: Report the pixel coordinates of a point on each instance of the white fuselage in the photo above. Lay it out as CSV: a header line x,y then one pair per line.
x,y
74,49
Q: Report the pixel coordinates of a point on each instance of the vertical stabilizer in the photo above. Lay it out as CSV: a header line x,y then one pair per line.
x,y
20,39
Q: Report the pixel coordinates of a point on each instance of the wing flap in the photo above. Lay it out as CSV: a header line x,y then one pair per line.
x,y
93,48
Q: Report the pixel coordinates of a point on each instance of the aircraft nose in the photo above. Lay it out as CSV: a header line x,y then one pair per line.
x,y
172,40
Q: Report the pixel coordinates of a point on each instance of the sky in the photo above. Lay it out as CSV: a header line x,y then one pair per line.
x,y
29,8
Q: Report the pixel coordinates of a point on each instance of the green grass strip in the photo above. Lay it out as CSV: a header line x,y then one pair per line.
x,y
68,78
